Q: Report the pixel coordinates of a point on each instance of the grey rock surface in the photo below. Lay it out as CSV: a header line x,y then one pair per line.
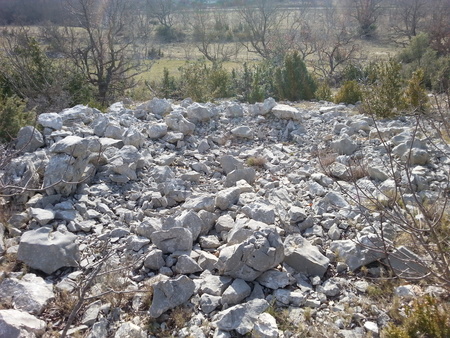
x,y
242,317
248,260
304,257
15,323
169,294
47,250
30,293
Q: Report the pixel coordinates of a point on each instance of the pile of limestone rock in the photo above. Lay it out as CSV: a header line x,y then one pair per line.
x,y
225,210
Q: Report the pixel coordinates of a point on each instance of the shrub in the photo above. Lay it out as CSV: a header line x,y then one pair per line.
x,y
415,95
168,34
383,97
167,87
193,81
323,92
218,80
425,318
203,83
350,92
292,80
13,116
420,55
256,161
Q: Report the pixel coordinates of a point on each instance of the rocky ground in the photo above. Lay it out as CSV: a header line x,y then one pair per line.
x,y
206,220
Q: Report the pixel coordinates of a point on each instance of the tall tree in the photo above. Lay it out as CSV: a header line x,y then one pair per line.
x,y
366,13
408,15
261,19
102,46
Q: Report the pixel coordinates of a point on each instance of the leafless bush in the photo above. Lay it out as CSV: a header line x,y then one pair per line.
x,y
411,212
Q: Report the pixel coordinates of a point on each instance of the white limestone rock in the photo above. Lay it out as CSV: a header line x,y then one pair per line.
x,y
304,257
170,293
260,252
15,323
47,250
30,293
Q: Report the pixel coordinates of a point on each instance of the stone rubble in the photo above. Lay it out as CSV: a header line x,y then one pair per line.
x,y
167,189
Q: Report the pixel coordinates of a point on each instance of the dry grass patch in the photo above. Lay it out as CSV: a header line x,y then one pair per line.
x,y
256,161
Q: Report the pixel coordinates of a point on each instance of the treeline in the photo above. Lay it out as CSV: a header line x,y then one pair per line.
x,y
94,56
31,12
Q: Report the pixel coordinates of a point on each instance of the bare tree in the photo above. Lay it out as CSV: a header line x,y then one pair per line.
x,y
335,44
438,27
408,16
102,45
163,11
212,35
261,19
366,13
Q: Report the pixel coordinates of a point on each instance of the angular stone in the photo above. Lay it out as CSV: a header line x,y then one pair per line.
x,y
156,131
91,313
243,132
176,121
15,323
260,212
285,112
30,293
406,264
227,197
186,265
265,326
274,279
214,285
99,329
133,137
29,139
246,314
202,202
236,292
189,220
47,250
297,214
154,260
248,260
50,120
209,303
230,163
247,174
169,294
130,330
304,257
344,146
63,169
175,239
360,252
42,216
198,112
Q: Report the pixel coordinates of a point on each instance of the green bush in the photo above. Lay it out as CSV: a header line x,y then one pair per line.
x,y
168,34
420,55
349,93
383,97
416,97
323,92
203,83
219,81
292,80
13,116
425,318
